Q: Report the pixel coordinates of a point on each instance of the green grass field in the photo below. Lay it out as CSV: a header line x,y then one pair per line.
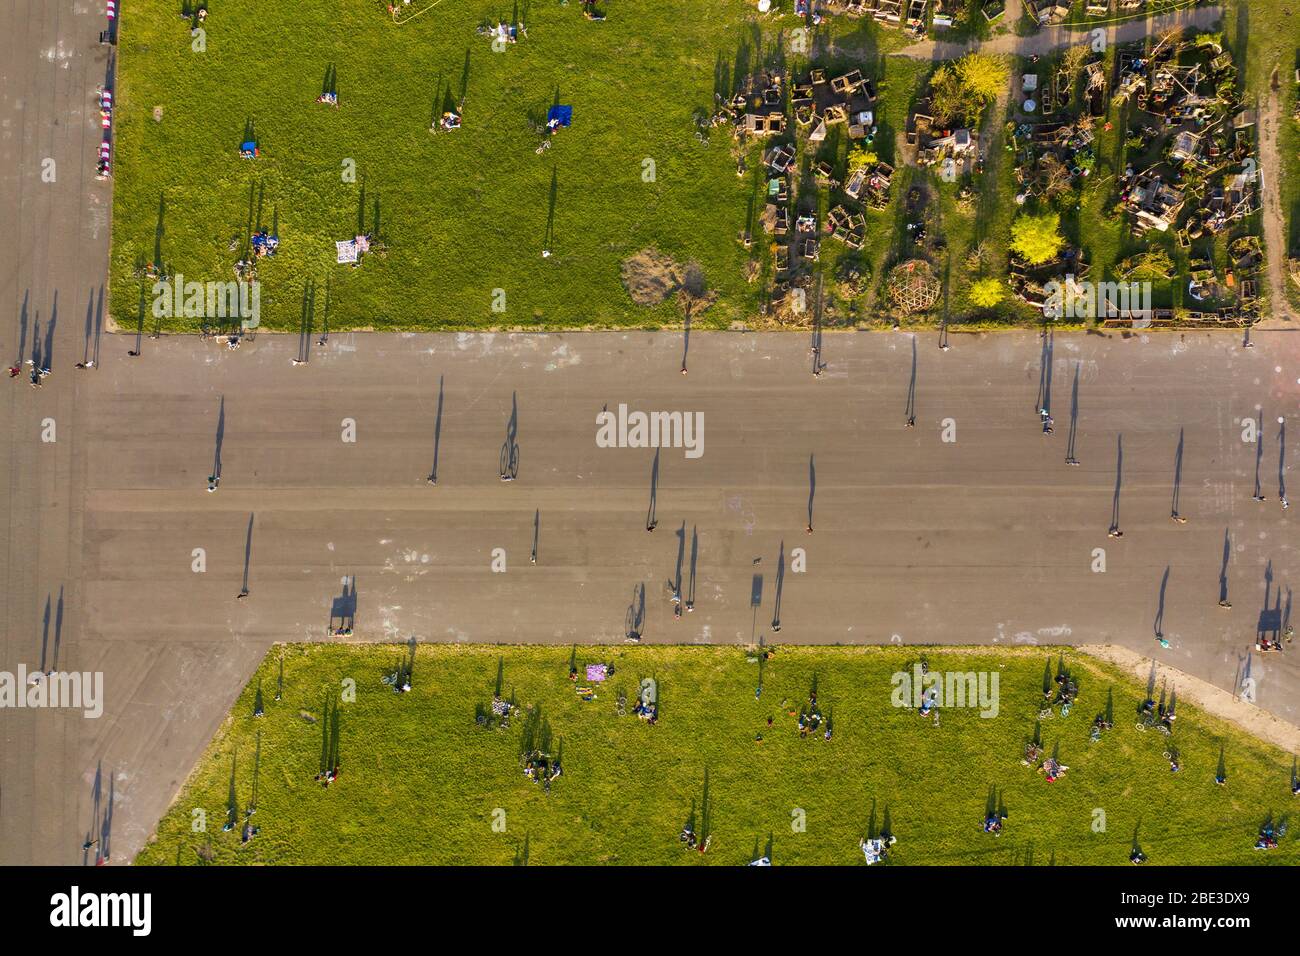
x,y
462,213
421,782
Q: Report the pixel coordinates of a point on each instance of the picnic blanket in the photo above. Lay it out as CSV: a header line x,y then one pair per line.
x,y
597,672
347,251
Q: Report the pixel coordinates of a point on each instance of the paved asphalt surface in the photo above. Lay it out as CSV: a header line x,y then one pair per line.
x,y
990,538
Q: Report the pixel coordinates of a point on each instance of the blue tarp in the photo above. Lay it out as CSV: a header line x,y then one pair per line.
x,y
560,115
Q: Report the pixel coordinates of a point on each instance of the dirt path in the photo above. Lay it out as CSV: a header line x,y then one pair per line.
x,y
1051,38
1215,700
1275,244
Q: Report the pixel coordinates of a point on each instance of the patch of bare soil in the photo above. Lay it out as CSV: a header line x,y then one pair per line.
x,y
650,276
1205,695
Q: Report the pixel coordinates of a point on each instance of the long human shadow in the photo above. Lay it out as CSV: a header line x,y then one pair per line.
x,y
344,607
780,584
1281,460
58,631
89,331
812,489
34,359
1178,478
509,459
1119,484
22,330
106,824
537,533
1270,616
686,335
45,636
1259,456
1070,457
325,315
99,324
1045,374
139,324
675,582
464,78
101,819
651,520
1159,625
818,343
634,619
548,237
1223,570
911,389
815,346
695,553
306,320
47,349
248,554
437,435
159,231
257,771
220,439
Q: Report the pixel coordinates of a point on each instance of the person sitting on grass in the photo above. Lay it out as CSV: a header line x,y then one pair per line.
x,y
877,849
993,824
1053,768
1137,857
1267,839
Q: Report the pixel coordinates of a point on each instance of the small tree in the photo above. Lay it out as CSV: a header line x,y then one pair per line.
x,y
963,89
1037,238
988,292
984,75
861,155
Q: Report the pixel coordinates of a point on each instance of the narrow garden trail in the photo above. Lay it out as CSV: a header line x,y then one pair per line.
x,y
1051,38
1275,244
